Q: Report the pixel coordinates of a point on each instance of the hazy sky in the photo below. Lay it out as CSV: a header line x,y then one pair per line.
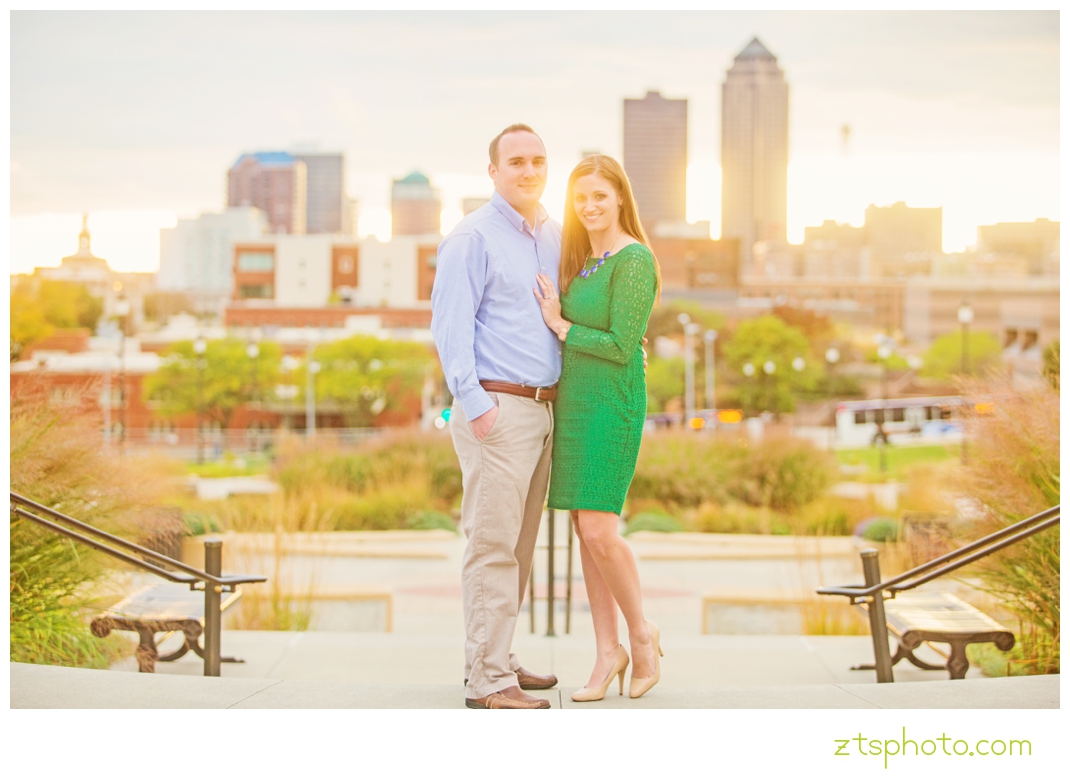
x,y
136,116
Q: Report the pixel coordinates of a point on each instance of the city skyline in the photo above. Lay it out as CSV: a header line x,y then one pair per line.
x,y
963,117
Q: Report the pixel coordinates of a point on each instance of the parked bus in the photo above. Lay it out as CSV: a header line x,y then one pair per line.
x,y
902,420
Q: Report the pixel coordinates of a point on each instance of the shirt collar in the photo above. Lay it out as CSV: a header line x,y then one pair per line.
x,y
514,217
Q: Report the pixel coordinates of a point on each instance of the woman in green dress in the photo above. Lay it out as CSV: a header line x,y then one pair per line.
x,y
609,283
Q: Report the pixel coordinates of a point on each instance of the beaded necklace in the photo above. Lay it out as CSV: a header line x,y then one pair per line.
x,y
585,272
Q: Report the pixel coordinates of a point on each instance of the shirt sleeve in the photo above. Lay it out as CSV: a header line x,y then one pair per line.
x,y
460,280
634,288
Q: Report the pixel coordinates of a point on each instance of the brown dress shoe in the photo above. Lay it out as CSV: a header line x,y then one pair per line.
x,y
509,698
529,681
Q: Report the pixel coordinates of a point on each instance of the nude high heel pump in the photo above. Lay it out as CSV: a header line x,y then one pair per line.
x,y
620,665
642,685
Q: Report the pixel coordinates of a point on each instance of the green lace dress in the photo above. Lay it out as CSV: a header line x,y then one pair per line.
x,y
601,397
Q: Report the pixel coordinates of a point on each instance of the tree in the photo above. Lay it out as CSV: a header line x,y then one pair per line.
x,y
664,321
944,356
769,338
664,381
367,376
816,327
230,379
40,307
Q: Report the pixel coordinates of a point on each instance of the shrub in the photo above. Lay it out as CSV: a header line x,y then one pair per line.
x,y
879,529
659,523
431,520
1013,472
687,470
783,474
57,460
735,517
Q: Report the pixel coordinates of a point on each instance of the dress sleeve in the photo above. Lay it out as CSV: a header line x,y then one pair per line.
x,y
634,288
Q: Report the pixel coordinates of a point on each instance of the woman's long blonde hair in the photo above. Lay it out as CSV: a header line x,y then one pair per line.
x,y
575,243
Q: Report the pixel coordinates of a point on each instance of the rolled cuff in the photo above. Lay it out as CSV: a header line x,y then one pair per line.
x,y
476,402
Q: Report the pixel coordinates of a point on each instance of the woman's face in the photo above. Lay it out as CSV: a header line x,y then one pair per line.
x,y
596,202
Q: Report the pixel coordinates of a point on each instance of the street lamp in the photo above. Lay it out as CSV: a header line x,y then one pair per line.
x,y
884,351
200,346
965,317
711,397
690,330
832,356
310,398
769,368
122,310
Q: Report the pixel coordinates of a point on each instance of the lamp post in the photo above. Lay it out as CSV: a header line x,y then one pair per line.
x,y
690,330
768,369
310,398
253,351
200,346
832,356
711,397
884,351
122,310
965,317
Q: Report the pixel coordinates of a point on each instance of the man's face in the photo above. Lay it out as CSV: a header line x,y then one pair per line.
x,y
520,175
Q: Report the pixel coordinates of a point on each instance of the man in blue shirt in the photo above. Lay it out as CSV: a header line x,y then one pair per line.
x,y
502,365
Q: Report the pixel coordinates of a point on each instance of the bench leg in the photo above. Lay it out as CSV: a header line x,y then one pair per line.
x,y
957,664
909,656
146,650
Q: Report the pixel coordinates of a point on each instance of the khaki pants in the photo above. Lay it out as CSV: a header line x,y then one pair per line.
x,y
505,477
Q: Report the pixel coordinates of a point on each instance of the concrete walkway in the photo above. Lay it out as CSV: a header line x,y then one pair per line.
x,y
35,686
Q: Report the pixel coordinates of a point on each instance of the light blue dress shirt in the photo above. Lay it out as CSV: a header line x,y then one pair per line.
x,y
485,319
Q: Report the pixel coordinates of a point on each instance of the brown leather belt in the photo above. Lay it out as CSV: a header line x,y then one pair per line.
x,y
524,391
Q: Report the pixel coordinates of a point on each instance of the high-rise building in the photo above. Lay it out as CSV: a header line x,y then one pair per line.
x,y
274,182
415,206
833,250
195,254
1035,245
655,157
754,151
328,209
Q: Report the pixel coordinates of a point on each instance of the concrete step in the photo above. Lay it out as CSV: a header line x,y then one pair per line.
x,y
49,687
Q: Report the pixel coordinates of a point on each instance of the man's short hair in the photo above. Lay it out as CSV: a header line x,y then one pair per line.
x,y
513,128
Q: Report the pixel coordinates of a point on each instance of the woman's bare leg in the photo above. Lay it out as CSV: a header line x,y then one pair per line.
x,y
616,564
603,614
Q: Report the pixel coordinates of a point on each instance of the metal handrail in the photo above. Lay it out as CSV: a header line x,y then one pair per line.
x,y
210,580
194,574
874,592
1005,537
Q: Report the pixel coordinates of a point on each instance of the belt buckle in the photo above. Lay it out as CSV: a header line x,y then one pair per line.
x,y
537,391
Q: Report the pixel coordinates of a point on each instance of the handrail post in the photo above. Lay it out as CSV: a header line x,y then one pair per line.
x,y
878,628
550,573
213,565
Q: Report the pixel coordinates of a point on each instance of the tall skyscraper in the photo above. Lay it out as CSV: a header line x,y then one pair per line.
x,y
754,151
415,206
196,254
274,182
328,209
655,156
